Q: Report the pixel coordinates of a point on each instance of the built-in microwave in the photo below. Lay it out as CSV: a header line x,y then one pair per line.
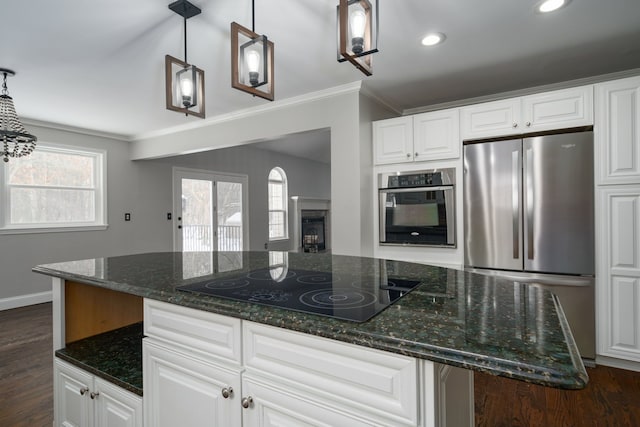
x,y
417,208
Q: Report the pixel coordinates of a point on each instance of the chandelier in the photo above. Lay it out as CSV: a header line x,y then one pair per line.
x,y
16,141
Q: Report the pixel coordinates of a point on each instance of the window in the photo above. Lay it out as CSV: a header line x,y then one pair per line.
x,y
278,229
53,188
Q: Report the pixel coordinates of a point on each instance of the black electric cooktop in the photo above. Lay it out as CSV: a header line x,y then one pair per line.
x,y
344,297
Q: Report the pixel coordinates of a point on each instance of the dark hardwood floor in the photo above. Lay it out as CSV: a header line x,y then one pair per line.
x,y
611,399
26,367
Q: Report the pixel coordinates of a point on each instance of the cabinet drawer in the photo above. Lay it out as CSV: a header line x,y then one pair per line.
x,y
374,383
200,330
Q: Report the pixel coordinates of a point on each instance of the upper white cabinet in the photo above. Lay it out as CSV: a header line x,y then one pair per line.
x,y
559,109
617,131
421,137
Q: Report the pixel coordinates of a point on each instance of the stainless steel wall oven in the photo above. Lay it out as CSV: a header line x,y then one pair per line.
x,y
417,208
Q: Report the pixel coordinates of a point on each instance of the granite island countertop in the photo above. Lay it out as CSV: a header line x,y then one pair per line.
x,y
452,317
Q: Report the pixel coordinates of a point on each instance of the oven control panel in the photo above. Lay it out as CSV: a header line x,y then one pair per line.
x,y
415,180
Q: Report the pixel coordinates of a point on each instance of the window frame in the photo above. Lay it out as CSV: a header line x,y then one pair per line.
x,y
284,209
100,189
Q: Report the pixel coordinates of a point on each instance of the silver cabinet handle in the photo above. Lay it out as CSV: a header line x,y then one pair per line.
x,y
246,401
416,155
528,124
227,392
408,155
94,394
83,390
515,125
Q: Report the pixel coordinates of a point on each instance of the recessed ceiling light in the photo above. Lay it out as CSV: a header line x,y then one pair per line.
x,y
550,5
433,39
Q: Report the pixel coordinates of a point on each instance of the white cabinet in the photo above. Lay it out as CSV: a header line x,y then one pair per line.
x,y
421,137
559,109
376,387
275,406
235,373
183,390
618,298
617,131
83,400
191,367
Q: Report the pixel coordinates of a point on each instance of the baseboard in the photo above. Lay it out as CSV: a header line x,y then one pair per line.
x,y
25,300
618,363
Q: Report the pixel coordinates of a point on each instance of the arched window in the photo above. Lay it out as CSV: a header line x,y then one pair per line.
x,y
278,229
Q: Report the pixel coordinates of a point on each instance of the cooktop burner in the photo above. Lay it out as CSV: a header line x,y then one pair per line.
x,y
347,298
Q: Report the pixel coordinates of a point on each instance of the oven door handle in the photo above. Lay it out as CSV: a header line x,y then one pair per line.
x,y
415,189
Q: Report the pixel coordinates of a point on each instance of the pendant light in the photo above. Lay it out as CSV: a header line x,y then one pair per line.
x,y
357,24
184,83
251,60
16,141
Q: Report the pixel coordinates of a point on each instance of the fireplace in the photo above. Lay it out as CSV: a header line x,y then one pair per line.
x,y
313,231
311,226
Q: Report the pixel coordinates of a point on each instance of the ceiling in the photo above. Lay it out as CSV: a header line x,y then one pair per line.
x,y
99,65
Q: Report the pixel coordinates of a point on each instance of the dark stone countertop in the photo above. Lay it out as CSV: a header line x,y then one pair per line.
x,y
115,356
453,317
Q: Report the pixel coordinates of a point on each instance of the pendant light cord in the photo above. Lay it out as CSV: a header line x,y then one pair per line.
x,y
253,16
185,41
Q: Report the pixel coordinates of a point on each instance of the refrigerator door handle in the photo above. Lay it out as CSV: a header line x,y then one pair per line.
x,y
515,202
530,194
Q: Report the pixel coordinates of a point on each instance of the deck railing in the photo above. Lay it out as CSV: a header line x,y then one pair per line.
x,y
197,237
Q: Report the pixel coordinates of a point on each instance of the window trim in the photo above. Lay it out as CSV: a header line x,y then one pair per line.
x,y
285,208
100,176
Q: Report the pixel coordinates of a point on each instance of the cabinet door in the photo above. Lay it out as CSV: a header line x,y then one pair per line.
x,y
436,135
393,140
490,119
116,407
617,131
275,406
73,407
558,109
619,276
181,390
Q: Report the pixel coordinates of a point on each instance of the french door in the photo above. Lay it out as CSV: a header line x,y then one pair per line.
x,y
210,211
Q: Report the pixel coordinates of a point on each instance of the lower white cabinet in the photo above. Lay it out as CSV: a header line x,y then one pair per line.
x,y
287,379
185,390
83,400
618,288
272,405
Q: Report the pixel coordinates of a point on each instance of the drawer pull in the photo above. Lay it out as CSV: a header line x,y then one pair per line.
x,y
94,394
83,390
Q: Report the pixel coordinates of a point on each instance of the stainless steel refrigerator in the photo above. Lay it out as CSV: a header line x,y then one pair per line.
x,y
529,217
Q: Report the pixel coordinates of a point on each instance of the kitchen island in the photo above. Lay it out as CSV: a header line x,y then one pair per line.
x,y
452,322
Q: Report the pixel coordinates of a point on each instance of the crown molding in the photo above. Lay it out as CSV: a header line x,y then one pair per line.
x,y
73,129
523,92
247,112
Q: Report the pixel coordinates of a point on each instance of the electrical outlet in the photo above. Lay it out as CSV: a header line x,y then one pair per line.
x,y
127,217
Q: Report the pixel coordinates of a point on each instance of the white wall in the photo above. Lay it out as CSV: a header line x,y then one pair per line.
x,y
337,110
305,178
135,187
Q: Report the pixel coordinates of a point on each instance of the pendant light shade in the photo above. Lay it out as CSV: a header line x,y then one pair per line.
x,y
357,25
184,87
184,83
15,140
251,62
